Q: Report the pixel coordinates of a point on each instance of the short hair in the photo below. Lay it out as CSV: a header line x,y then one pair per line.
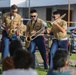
x,y
33,11
13,7
13,46
59,59
56,12
7,63
22,59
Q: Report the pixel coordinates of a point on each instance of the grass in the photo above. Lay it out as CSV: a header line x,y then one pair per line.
x,y
0,66
41,71
73,57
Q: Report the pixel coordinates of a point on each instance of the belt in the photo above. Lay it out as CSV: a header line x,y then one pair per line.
x,y
64,38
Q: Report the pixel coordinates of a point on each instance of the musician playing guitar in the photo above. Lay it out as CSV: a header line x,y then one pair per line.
x,y
33,26
10,21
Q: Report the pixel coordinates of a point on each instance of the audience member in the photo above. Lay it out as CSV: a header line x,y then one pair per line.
x,y
22,61
7,63
14,45
60,66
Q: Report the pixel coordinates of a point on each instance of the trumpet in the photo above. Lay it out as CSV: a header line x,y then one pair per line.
x,y
49,24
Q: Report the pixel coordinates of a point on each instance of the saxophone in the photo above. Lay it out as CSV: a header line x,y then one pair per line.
x,y
11,32
11,29
28,39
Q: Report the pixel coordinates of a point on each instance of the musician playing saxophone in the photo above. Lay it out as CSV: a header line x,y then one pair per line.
x,y
60,39
35,25
10,21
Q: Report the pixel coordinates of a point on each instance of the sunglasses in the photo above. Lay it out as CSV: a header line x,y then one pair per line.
x,y
14,11
33,16
53,16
